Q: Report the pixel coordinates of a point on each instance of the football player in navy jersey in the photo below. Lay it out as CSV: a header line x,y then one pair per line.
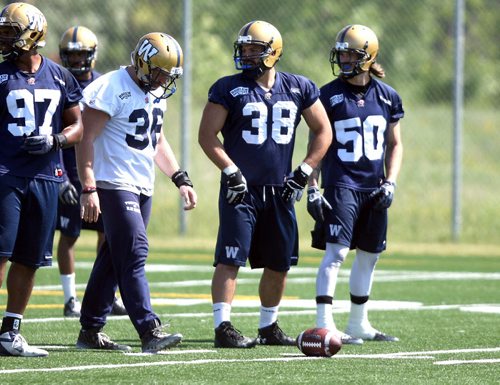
x,y
122,141
257,112
358,174
39,115
78,53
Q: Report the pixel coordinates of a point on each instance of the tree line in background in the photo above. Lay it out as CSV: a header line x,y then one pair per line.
x,y
416,38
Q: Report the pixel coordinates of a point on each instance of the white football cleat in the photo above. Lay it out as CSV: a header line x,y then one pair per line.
x,y
370,334
348,339
14,344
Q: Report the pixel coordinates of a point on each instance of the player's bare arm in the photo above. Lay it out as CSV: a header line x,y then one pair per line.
x,y
321,138
212,121
73,126
394,152
94,122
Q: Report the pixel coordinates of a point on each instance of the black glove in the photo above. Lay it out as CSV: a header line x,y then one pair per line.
x,y
42,144
68,194
318,239
316,204
236,187
294,185
382,196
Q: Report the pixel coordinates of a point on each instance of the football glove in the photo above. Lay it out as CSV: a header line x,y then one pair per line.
x,y
236,187
317,204
68,194
42,144
294,184
382,197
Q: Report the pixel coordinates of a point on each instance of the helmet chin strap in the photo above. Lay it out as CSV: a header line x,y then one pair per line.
x,y
256,72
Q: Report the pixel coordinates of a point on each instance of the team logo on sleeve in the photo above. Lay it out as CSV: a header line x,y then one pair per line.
x,y
4,78
385,100
336,99
239,91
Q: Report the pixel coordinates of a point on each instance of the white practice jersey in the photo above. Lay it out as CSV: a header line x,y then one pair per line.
x,y
124,152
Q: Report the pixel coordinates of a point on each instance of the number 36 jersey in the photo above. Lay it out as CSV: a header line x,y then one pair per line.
x,y
33,104
124,151
259,131
355,158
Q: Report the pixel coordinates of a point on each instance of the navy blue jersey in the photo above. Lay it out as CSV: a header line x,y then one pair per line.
x,y
259,131
33,104
355,158
68,154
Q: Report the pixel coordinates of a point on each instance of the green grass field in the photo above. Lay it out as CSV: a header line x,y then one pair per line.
x,y
442,302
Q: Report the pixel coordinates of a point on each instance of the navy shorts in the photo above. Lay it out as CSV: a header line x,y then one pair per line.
x,y
262,229
353,222
28,209
69,221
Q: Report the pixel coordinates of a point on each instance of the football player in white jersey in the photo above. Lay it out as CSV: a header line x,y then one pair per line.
x,y
123,139
78,53
358,174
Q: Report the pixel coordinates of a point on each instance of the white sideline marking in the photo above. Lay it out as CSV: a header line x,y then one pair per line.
x,y
461,362
172,352
308,275
416,355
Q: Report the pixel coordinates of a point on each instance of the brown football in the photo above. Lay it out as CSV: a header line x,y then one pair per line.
x,y
319,342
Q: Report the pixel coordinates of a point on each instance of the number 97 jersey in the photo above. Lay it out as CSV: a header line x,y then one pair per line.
x,y
259,131
355,158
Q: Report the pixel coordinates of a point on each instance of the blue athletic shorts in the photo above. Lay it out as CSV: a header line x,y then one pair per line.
x,y
262,229
353,221
28,209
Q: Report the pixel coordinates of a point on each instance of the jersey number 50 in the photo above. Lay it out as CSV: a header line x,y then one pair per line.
x,y
367,138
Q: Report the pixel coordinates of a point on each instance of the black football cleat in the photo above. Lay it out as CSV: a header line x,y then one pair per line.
x,y
156,339
95,339
382,337
273,335
226,336
118,307
72,308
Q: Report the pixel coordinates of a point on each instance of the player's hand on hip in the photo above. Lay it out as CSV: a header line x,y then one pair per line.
x,y
295,183
382,197
68,194
90,207
236,186
317,204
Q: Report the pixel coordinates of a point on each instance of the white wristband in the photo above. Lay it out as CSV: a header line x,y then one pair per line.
x,y
230,169
306,169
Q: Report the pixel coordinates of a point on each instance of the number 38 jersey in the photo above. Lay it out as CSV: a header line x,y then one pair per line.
x,y
355,158
259,131
33,104
124,151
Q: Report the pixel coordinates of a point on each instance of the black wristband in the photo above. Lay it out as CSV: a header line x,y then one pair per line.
x,y
60,141
181,178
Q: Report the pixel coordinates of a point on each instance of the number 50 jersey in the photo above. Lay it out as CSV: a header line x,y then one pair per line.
x,y
259,131
355,158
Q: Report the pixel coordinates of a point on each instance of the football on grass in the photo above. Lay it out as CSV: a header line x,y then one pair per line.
x,y
319,342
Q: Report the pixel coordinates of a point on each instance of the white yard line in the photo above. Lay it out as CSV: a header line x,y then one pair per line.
x,y
400,355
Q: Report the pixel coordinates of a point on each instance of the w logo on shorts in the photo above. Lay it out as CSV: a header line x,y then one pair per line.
x,y
335,230
231,252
